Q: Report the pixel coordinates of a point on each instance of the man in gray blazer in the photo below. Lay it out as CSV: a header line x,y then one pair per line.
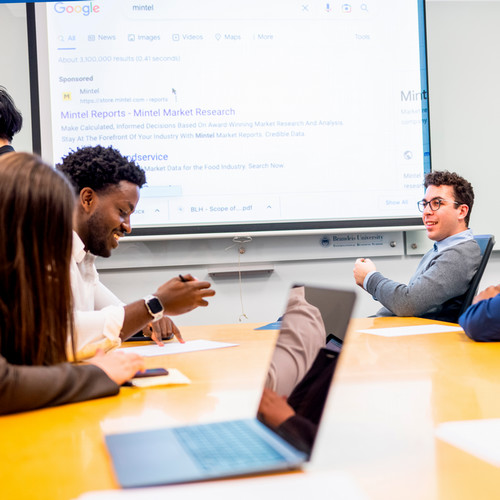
x,y
444,274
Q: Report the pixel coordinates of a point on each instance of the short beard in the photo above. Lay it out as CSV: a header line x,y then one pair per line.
x,y
97,236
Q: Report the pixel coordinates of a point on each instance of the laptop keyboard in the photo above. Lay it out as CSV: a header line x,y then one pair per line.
x,y
226,446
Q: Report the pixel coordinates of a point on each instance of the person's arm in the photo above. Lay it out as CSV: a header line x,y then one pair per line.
x,y
448,275
301,336
24,388
363,269
115,321
158,330
481,321
177,297
97,329
273,409
164,329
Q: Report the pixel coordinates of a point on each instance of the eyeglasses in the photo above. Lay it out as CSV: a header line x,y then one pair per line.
x,y
435,204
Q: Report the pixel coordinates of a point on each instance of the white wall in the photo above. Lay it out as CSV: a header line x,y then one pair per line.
x,y
464,90
14,74
464,43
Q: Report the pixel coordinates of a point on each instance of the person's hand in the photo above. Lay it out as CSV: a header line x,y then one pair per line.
x,y
274,409
163,329
118,366
181,296
361,268
491,291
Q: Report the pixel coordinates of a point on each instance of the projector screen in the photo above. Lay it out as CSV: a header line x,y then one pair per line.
x,y
247,115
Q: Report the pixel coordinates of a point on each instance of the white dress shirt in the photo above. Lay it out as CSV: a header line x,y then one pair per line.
x,y
98,313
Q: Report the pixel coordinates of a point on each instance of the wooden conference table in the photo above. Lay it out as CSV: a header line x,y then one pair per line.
x,y
389,395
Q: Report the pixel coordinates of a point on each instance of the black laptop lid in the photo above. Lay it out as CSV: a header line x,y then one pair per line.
x,y
336,308
308,398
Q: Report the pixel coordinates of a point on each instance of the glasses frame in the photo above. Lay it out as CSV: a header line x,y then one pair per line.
x,y
422,204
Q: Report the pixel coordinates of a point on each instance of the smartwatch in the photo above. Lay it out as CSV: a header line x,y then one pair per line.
x,y
154,307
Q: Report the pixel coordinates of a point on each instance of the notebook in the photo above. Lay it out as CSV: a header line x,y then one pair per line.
x,y
229,448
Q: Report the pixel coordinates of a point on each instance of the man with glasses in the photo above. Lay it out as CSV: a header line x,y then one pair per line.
x,y
442,278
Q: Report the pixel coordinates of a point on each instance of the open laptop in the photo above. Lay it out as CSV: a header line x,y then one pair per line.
x,y
220,449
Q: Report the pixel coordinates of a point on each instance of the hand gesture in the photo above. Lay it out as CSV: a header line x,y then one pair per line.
x,y
361,268
181,295
491,291
161,330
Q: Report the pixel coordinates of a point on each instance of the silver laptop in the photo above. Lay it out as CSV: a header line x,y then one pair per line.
x,y
235,447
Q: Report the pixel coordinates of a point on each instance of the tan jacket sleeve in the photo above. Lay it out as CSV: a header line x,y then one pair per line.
x,y
302,335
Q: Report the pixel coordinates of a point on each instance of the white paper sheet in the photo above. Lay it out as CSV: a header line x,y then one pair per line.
x,y
480,438
176,347
293,486
400,331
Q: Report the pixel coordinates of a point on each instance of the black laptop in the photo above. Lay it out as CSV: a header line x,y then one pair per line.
x,y
330,301
228,448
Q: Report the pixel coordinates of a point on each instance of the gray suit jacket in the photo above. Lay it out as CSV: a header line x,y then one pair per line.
x,y
435,290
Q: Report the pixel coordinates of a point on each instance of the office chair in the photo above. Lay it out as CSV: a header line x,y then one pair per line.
x,y
486,243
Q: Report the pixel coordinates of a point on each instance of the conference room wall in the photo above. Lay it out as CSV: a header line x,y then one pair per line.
x,y
464,80
263,296
14,67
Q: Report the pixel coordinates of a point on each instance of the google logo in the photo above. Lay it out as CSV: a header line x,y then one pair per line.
x,y
85,9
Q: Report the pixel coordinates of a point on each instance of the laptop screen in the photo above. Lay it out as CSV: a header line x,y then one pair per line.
x,y
331,303
302,369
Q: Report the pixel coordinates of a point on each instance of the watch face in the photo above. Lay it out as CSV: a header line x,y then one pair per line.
x,y
155,305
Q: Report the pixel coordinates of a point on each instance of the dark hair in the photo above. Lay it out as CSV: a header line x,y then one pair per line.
x,y
463,191
11,119
100,168
36,314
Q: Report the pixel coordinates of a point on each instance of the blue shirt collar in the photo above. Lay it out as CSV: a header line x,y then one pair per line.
x,y
439,246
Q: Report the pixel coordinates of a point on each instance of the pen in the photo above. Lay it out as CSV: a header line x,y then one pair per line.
x,y
184,280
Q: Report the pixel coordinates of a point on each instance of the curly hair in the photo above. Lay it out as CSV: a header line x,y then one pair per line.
x,y
463,191
99,168
11,119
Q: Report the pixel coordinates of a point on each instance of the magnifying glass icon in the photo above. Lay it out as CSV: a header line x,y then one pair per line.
x,y
364,7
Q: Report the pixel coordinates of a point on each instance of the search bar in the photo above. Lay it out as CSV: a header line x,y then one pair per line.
x,y
244,10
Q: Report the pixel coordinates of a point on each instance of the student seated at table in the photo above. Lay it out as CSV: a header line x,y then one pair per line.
x,y
36,316
438,286
481,321
107,186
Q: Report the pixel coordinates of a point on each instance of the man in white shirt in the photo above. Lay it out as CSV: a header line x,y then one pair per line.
x,y
107,186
